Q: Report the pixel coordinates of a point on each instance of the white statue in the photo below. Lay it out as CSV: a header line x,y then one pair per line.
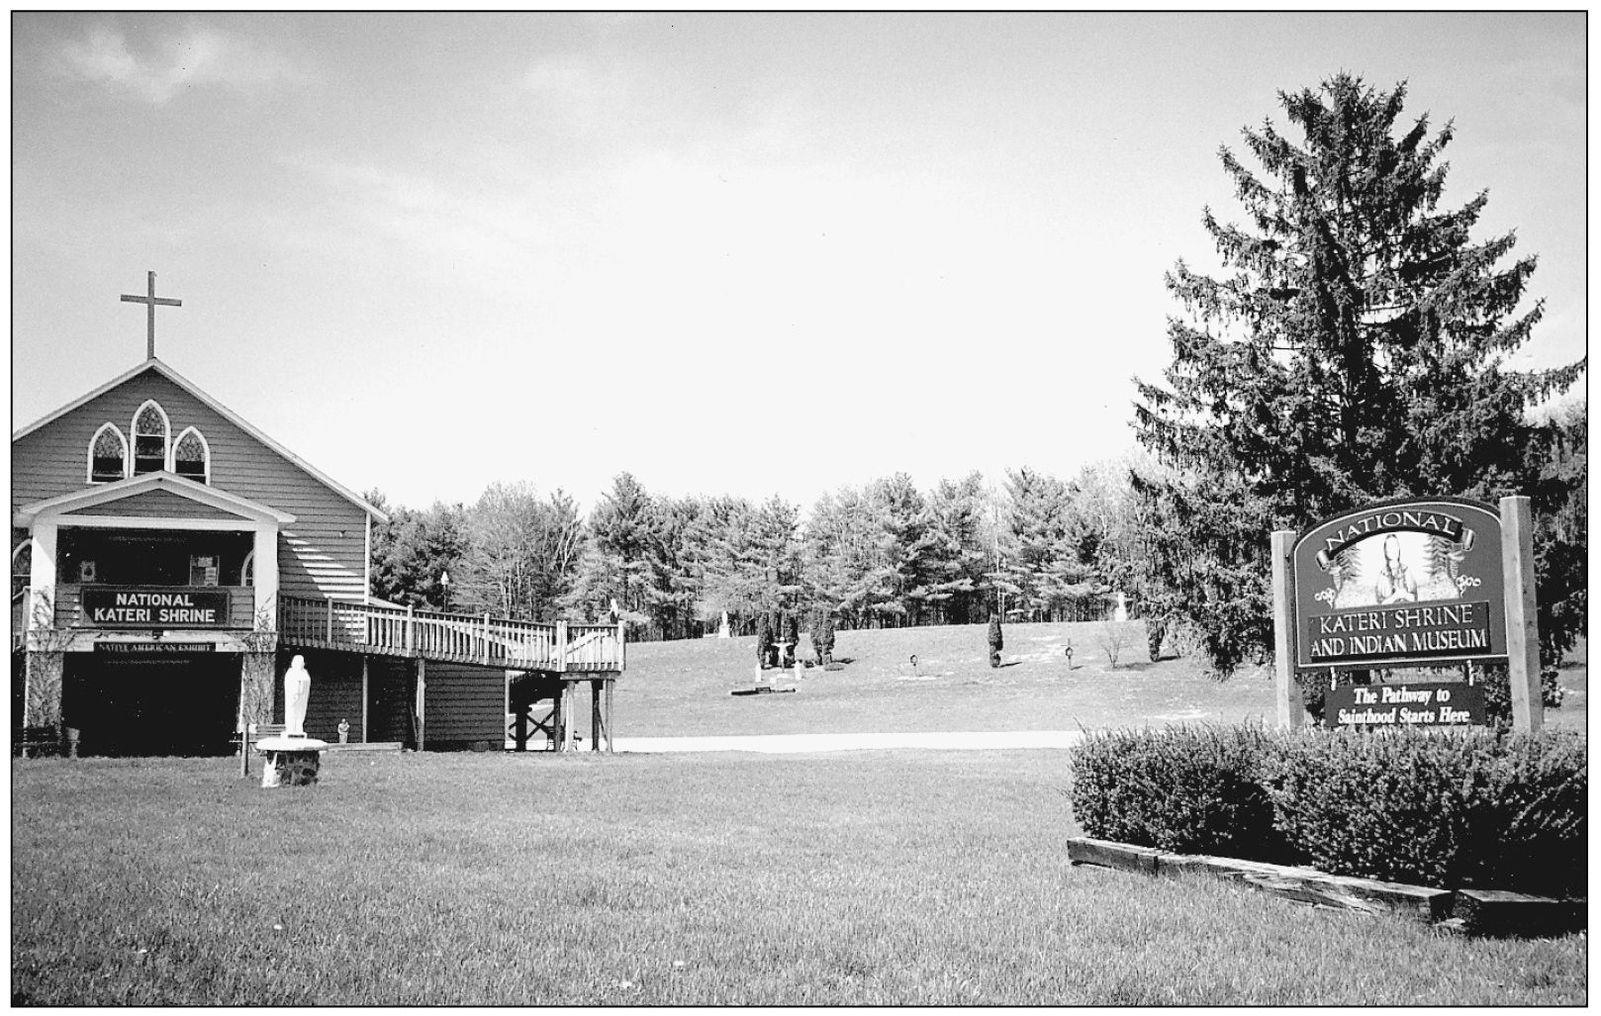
x,y
1121,613
722,629
297,692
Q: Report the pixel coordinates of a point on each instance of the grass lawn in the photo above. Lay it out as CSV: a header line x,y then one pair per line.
x,y
682,688
872,877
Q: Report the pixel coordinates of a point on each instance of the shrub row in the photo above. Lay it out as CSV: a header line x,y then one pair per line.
x,y
1184,789
1452,809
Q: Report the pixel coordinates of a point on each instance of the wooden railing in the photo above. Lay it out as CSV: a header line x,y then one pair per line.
x,y
458,638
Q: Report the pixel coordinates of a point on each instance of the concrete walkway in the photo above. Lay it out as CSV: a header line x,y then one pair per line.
x,y
784,744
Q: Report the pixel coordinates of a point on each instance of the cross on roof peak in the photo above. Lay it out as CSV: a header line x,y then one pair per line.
x,y
151,301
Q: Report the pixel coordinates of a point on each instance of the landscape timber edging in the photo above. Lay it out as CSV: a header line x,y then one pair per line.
x,y
1473,911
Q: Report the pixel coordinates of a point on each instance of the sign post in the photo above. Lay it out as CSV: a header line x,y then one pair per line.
x,y
1286,693
1522,619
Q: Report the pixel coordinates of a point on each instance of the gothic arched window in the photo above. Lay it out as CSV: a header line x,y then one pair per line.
x,y
191,456
108,455
21,568
150,433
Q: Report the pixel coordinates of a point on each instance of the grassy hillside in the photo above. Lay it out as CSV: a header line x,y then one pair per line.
x,y
682,688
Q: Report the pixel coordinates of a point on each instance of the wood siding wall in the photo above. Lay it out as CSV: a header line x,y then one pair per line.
x,y
464,704
389,699
322,553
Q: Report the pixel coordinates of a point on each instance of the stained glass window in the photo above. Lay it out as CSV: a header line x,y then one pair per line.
x,y
108,455
149,439
191,458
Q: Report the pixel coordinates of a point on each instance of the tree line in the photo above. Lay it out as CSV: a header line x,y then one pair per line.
x,y
885,554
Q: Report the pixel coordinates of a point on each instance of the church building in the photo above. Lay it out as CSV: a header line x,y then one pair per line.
x,y
168,558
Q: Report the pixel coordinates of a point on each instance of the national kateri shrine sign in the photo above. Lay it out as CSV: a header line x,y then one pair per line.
x,y
1428,582
156,608
1414,582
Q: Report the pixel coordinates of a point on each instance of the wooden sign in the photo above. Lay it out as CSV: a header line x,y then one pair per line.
x,y
154,648
1404,705
155,608
1401,582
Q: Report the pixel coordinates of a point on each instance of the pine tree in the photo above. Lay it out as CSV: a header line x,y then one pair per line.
x,y
1354,351
957,556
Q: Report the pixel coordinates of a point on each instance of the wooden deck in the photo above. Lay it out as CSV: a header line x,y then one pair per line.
x,y
559,647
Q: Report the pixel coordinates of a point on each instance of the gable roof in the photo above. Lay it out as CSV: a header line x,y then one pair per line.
x,y
221,410
133,486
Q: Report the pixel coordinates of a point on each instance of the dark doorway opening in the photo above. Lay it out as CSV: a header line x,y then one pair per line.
x,y
178,705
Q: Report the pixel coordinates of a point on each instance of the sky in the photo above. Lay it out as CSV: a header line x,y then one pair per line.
x,y
730,254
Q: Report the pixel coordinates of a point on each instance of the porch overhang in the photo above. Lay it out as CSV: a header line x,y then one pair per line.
x,y
96,506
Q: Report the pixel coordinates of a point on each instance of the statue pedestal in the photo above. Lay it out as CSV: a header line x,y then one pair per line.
x,y
290,761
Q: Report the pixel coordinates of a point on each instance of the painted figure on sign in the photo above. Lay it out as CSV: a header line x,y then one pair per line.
x,y
297,692
1396,584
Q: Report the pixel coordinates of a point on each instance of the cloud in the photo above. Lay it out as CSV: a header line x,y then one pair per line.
x,y
574,91
198,56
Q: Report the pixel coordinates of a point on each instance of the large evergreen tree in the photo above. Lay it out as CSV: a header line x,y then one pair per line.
x,y
1355,349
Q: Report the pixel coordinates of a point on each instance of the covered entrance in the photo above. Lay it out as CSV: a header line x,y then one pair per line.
x,y
126,704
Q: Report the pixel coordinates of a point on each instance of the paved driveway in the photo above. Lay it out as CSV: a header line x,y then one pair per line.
x,y
782,744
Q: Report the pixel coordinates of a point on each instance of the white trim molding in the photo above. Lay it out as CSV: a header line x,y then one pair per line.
x,y
42,581
56,509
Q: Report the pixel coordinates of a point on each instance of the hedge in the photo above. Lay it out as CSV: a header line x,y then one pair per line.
x,y
1452,809
1455,809
1185,789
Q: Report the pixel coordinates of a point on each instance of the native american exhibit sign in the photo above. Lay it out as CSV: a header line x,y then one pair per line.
x,y
1402,582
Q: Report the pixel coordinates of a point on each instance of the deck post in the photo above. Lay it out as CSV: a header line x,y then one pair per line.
x,y
569,713
597,726
622,644
558,721
609,738
330,620
486,638
422,698
561,646
411,629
